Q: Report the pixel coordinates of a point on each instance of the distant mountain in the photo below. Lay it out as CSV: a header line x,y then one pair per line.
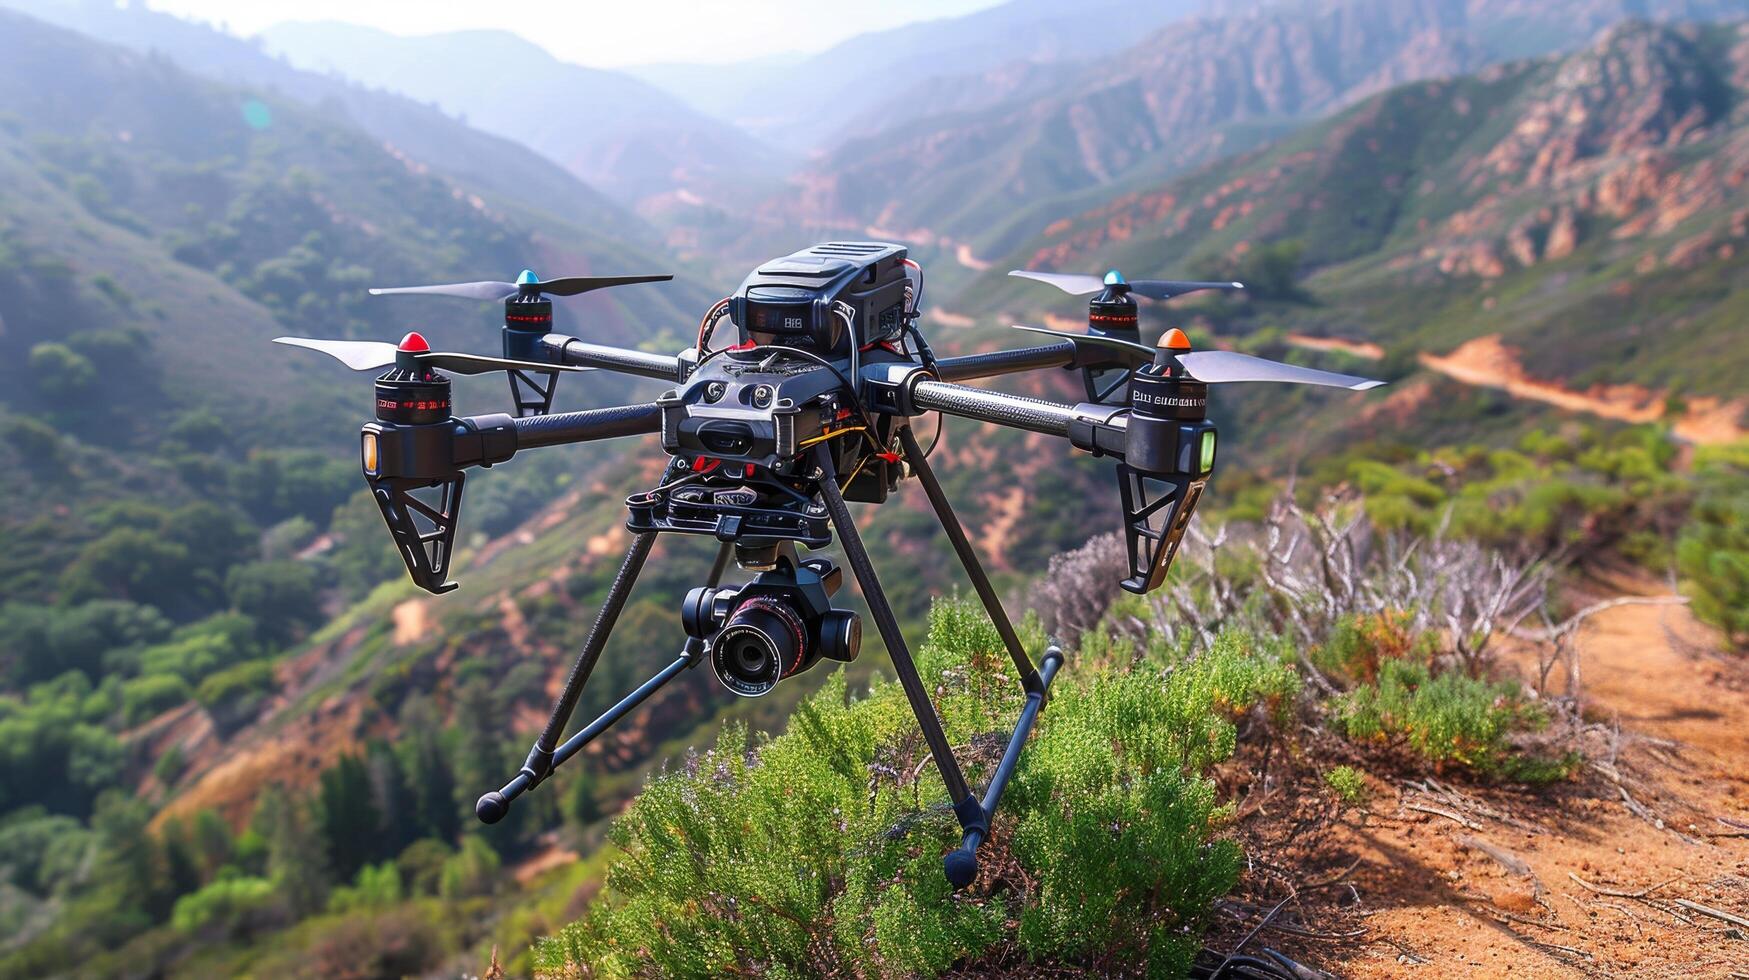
x,y
1188,93
618,133
1573,231
809,104
722,90
159,229
495,167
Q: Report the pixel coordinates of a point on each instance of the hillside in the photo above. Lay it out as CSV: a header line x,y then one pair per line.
x,y
1567,230
615,132
499,169
1212,86
184,501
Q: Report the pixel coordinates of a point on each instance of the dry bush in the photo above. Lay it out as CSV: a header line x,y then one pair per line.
x,y
1300,572
1079,586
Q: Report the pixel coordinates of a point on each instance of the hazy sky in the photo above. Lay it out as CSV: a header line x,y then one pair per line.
x,y
598,32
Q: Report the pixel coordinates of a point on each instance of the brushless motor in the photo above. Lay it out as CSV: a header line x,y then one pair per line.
x,y
410,393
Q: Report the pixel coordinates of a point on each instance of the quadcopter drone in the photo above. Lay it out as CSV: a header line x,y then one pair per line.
x,y
770,436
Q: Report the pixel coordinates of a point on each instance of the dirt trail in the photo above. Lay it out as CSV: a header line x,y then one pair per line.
x,y
1489,363
1488,886
412,621
1359,348
962,254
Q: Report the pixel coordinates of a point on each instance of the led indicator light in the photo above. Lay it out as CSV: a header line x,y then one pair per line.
x,y
370,453
1208,451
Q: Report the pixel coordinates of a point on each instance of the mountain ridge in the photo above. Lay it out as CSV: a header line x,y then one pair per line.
x,y
1209,86
613,130
499,168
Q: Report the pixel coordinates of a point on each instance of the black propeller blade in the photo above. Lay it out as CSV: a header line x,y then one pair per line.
x,y
572,285
1077,284
528,283
368,355
1221,366
1143,352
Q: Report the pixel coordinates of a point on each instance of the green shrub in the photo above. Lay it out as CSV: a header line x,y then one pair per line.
x,y
1712,556
421,865
170,765
144,698
377,886
1349,785
819,848
281,596
232,695
1446,717
1360,643
202,648
59,371
473,870
228,903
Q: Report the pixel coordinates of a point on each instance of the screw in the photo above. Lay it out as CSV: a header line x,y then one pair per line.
x,y
714,391
762,396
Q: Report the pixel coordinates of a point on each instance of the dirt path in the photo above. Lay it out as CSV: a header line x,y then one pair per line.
x,y
412,621
962,254
1492,885
1489,363
1359,348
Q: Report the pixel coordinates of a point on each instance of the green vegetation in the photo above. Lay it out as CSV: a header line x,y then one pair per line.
x,y
825,843
1349,785
1445,717
1567,494
1712,555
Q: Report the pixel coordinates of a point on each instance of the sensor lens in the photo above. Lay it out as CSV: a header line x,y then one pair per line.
x,y
763,640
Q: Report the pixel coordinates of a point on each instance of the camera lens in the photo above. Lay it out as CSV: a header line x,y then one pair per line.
x,y
763,641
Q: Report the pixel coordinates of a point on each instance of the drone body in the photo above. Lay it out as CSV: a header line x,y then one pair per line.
x,y
768,437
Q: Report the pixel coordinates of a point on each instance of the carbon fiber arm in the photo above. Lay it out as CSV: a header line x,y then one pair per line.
x,y
1017,411
587,426
969,366
570,350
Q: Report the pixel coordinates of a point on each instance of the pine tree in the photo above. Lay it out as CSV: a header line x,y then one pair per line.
x,y
428,772
212,843
347,816
295,858
484,760
395,805
181,864
130,864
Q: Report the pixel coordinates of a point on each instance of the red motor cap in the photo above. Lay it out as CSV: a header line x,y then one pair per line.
x,y
414,343
1175,339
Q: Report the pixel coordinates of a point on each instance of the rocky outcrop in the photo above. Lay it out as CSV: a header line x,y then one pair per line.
x,y
1176,98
